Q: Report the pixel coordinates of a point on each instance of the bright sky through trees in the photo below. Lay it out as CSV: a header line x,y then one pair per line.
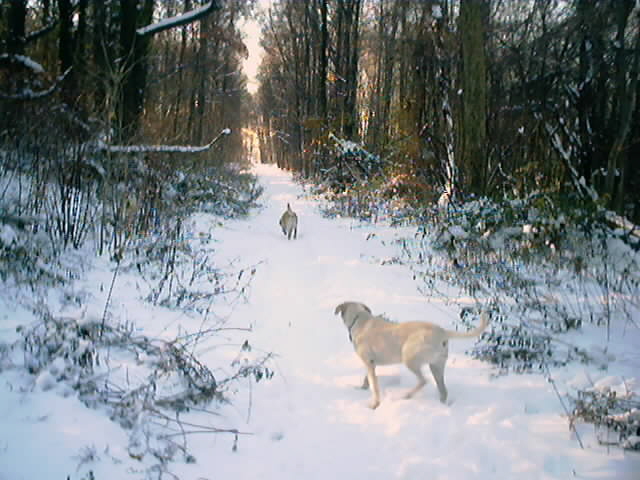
x,y
251,29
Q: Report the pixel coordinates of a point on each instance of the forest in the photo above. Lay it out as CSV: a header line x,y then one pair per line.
x,y
473,98
477,98
504,134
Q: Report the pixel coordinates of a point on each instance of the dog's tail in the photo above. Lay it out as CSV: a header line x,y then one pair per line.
x,y
484,321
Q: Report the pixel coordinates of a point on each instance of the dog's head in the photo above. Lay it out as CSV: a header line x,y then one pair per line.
x,y
349,310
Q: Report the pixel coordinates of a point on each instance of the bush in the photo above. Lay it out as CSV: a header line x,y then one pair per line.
x,y
552,268
169,379
610,413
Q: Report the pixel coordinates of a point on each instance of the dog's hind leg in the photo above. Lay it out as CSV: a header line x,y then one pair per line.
x,y
437,369
411,357
365,383
414,366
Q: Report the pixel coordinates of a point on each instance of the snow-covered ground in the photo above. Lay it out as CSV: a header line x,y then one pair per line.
x,y
309,421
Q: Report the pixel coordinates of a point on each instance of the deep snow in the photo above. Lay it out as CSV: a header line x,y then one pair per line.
x,y
310,421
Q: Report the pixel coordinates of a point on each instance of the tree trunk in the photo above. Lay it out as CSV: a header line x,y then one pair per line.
x,y
324,43
179,87
202,75
16,32
100,57
474,95
133,51
66,49
626,98
351,56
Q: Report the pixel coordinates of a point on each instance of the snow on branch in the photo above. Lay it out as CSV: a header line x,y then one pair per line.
x,y
161,148
178,20
28,94
26,62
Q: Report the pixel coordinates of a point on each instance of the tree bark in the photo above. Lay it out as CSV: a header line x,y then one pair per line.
x,y
474,95
324,43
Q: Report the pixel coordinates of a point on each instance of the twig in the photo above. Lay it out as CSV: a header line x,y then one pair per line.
x,y
209,430
106,305
564,407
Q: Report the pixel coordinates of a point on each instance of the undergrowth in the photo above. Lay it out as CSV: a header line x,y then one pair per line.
x,y
61,199
615,417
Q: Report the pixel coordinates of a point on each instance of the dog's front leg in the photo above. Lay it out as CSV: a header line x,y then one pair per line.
x,y
375,388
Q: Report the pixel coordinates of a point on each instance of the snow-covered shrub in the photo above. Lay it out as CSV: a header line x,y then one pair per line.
x,y
26,255
143,383
351,164
612,413
362,185
223,191
548,268
52,199
180,272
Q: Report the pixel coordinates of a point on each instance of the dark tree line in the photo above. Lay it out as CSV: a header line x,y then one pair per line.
x,y
119,66
477,96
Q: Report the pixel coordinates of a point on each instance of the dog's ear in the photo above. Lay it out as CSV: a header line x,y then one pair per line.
x,y
366,308
339,309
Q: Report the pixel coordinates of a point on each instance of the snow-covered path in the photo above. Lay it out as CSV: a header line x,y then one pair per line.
x,y
308,421
311,422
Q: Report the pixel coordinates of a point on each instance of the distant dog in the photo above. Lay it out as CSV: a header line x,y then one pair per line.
x,y
380,342
289,223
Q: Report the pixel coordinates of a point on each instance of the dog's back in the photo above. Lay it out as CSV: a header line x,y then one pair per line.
x,y
289,223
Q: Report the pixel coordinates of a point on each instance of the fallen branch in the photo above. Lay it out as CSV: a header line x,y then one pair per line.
x,y
160,148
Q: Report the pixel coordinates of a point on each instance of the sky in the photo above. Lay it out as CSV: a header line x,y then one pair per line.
x,y
251,30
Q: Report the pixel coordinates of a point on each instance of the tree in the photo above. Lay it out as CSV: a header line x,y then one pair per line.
x,y
135,34
473,82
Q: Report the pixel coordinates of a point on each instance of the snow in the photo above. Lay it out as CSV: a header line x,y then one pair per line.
x,y
309,421
7,234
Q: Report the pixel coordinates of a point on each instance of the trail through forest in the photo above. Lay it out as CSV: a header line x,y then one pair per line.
x,y
311,422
